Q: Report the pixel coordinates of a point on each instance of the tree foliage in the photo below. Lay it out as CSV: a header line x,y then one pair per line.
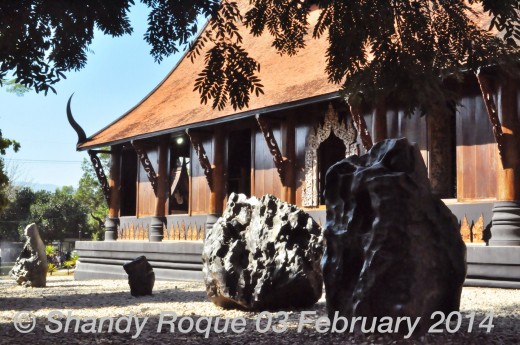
x,y
4,180
90,194
402,49
12,86
19,90
40,40
15,216
59,215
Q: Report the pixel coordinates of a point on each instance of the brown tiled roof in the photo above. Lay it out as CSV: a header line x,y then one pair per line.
x,y
174,104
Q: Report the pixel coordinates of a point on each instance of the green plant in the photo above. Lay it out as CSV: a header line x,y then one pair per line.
x,y
50,250
68,264
73,258
51,268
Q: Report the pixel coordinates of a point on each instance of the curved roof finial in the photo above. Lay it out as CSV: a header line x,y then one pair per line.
x,y
82,137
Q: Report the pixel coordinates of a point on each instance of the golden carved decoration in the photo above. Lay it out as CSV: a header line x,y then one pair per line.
x,y
465,230
181,231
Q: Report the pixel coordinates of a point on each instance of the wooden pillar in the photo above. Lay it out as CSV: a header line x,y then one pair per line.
x,y
379,127
216,197
159,219
216,206
114,183
441,153
505,228
289,185
508,171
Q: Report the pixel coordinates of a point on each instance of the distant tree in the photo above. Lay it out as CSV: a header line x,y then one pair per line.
x,y
17,174
12,87
4,179
59,215
15,216
402,49
90,195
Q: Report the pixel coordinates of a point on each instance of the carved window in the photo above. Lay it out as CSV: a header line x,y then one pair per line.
x,y
239,162
179,175
345,133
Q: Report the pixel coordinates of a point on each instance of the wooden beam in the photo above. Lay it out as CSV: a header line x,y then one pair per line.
x,y
102,151
147,165
278,159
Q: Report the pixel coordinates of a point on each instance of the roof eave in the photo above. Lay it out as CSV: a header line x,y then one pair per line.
x,y
229,118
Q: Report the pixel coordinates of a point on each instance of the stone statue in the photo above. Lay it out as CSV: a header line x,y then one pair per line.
x,y
263,254
392,247
30,269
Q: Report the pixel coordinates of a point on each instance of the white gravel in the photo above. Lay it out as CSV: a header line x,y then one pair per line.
x,y
111,298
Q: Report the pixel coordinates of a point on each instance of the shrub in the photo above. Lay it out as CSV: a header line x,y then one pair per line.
x,y
51,269
50,250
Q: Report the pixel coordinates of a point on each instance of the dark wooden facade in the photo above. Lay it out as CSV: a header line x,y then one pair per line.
x,y
205,164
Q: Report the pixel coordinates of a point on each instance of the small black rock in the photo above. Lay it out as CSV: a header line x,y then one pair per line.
x,y
141,277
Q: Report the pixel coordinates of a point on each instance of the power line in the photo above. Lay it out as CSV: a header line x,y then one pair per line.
x,y
54,161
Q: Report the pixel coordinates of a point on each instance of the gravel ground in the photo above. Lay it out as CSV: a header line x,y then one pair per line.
x,y
91,300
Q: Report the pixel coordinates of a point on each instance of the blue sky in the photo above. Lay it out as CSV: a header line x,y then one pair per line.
x,y
119,73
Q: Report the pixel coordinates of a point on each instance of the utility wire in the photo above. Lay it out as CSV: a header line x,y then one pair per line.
x,y
41,161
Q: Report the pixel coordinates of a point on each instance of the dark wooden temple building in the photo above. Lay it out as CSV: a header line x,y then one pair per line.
x,y
175,161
